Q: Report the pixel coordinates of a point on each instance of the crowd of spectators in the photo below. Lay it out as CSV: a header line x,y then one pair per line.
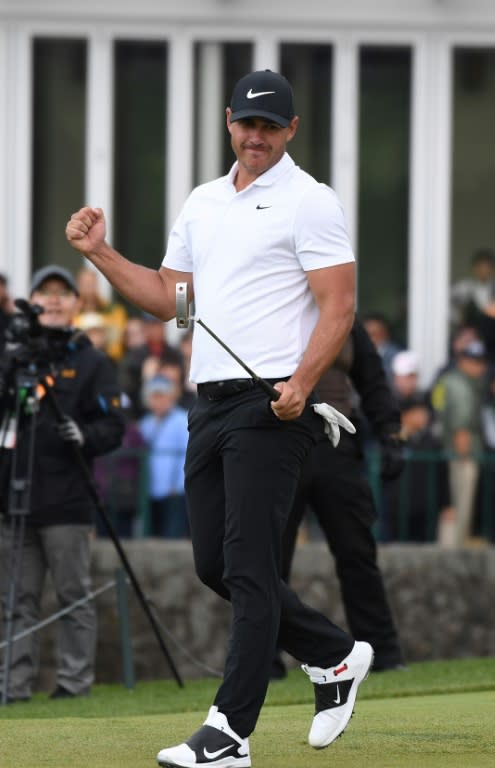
x,y
447,489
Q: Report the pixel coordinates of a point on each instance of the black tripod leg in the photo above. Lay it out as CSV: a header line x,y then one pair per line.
x,y
18,505
111,532
17,527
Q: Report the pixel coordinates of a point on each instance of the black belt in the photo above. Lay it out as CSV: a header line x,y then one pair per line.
x,y
218,390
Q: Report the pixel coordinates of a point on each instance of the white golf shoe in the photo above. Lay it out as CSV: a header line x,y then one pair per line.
x,y
214,744
335,693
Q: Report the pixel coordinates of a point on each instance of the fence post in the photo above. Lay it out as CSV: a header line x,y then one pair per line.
x,y
143,502
124,628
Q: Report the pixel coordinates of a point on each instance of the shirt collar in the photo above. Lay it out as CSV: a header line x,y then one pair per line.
x,y
267,178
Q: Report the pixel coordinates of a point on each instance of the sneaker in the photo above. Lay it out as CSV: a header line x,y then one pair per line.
x,y
214,744
335,693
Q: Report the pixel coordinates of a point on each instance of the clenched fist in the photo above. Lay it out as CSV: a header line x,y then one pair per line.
x,y
86,230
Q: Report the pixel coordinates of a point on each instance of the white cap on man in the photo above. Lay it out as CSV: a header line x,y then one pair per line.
x,y
405,363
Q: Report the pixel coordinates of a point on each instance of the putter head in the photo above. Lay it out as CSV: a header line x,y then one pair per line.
x,y
182,305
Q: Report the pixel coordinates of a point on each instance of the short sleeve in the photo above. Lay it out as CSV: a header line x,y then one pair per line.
x,y
320,233
177,255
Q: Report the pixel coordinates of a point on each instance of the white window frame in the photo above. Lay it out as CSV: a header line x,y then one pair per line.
x,y
432,46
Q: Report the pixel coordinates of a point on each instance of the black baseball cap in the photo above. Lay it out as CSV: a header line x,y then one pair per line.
x,y
263,94
50,271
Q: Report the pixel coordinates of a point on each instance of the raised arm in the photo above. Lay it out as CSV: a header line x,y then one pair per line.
x,y
151,290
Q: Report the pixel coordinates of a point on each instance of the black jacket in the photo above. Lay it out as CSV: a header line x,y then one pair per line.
x,y
377,401
358,370
85,389
356,384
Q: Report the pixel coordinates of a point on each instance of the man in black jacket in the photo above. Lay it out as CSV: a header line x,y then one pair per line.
x,y
60,516
335,486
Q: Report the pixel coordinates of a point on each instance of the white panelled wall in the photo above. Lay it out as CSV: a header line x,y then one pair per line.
x,y
430,28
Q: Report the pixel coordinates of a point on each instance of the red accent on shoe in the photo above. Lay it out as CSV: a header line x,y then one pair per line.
x,y
339,670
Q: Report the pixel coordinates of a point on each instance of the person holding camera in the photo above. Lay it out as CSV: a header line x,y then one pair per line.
x,y
59,520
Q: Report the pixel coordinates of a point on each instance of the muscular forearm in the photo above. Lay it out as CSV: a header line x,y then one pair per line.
x,y
144,287
333,289
327,339
152,290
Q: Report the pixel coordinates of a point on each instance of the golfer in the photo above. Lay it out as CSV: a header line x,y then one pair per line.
x,y
265,253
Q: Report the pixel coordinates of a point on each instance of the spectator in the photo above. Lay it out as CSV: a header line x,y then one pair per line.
x,y
417,505
131,366
380,333
405,374
470,296
458,397
190,389
176,373
164,429
134,333
115,314
483,320
95,327
119,479
60,517
172,370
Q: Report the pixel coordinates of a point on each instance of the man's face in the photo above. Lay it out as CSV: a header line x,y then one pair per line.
x,y
406,384
472,367
59,302
484,271
258,143
376,332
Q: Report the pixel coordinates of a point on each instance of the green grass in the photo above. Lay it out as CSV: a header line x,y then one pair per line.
x,y
437,714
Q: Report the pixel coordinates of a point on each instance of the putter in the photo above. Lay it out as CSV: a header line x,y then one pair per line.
x,y
183,318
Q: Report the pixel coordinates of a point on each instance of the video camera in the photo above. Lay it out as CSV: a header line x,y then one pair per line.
x,y
30,344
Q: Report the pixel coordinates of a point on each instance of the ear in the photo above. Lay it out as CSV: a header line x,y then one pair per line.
x,y
292,128
228,113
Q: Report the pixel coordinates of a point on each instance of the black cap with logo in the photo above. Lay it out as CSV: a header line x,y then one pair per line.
x,y
263,94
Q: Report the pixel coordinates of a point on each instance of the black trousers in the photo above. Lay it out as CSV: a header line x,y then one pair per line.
x,y
334,485
242,470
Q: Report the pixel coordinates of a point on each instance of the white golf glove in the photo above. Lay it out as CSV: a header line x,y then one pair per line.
x,y
334,419
69,431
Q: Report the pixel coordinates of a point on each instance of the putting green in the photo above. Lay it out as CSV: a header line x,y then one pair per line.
x,y
428,731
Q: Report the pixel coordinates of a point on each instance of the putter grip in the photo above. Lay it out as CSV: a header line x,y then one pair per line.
x,y
273,393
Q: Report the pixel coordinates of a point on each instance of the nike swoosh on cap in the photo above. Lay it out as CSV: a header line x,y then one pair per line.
x,y
251,95
262,207
213,755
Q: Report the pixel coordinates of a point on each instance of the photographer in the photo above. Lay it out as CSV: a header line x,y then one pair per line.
x,y
60,515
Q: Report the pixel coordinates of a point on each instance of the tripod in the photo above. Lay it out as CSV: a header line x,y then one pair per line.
x,y
19,503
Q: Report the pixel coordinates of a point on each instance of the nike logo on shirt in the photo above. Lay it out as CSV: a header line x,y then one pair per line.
x,y
262,207
251,95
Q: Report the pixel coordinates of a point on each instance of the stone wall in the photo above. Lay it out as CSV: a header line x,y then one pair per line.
x,y
443,603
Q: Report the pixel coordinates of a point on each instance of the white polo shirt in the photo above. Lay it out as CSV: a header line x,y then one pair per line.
x,y
248,252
